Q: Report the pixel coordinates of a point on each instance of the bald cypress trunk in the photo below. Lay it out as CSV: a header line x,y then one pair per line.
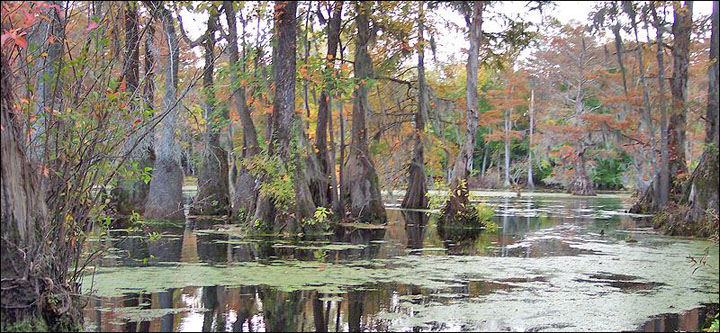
x,y
681,29
415,194
327,165
582,184
285,137
213,196
360,184
459,197
658,194
245,192
702,191
130,194
664,176
646,111
165,196
530,182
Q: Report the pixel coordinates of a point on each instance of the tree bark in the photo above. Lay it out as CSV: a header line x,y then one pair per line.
x,y
327,166
130,195
34,293
530,182
361,184
245,183
619,51
647,117
459,198
702,191
582,184
681,29
285,125
664,177
508,127
131,66
165,196
213,197
415,195
658,194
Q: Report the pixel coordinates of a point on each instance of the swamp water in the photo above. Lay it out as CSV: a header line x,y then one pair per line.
x,y
556,262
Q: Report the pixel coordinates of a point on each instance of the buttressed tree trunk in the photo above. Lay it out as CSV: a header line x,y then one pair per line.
x,y
130,195
664,176
245,192
530,182
327,165
459,197
415,194
165,197
702,191
681,29
361,184
213,196
582,184
33,294
286,127
658,194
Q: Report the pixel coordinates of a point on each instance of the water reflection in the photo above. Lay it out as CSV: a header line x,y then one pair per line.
x,y
246,309
529,227
521,221
688,321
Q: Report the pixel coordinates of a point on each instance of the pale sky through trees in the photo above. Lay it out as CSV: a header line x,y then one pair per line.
x,y
451,39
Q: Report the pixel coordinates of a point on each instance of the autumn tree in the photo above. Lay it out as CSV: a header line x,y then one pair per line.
x,y
573,85
506,101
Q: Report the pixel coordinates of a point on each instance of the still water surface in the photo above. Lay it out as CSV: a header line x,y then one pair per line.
x,y
556,263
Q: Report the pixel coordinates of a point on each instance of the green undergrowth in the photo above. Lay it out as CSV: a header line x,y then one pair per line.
x,y
479,214
28,325
672,220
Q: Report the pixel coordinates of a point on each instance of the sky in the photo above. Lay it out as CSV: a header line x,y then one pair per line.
x,y
451,43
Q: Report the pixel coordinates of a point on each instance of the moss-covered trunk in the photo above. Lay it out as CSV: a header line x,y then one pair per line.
x,y
328,189
681,29
415,194
35,293
130,194
213,197
361,186
274,208
245,183
668,186
582,185
701,192
165,197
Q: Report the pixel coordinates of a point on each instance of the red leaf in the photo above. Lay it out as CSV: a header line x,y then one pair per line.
x,y
92,25
21,42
